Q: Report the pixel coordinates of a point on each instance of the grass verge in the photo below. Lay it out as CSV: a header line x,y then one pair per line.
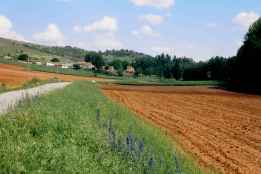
x,y
78,130
29,84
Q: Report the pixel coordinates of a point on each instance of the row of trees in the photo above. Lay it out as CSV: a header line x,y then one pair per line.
x,y
216,68
242,70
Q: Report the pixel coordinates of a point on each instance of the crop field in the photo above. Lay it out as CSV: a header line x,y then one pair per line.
x,y
221,129
14,75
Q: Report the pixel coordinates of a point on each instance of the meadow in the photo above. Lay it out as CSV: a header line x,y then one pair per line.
x,y
79,130
124,80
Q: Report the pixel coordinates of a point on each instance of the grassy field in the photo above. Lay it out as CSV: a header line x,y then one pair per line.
x,y
80,72
164,82
125,80
78,130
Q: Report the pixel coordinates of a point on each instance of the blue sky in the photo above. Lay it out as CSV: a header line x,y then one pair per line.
x,y
198,29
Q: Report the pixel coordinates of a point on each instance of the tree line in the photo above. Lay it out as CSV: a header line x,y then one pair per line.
x,y
242,71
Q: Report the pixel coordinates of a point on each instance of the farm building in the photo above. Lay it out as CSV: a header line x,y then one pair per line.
x,y
130,71
50,64
86,65
38,63
67,66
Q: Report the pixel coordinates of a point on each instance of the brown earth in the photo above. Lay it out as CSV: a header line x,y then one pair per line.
x,y
221,129
13,75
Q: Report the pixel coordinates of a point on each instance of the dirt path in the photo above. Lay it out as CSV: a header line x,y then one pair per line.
x,y
13,75
10,99
221,129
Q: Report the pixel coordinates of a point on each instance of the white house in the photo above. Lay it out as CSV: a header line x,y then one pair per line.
x,y
50,64
38,63
66,66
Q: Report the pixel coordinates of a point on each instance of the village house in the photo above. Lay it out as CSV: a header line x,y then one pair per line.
x,y
67,66
109,69
50,64
130,71
38,63
86,65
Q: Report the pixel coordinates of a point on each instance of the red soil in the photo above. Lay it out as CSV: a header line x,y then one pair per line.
x,y
221,129
13,75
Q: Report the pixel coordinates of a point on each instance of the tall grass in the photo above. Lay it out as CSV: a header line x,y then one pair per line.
x,y
78,130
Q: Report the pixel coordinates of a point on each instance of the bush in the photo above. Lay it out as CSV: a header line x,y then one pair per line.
x,y
55,60
76,66
23,57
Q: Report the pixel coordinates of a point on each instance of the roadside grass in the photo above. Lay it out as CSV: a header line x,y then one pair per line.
x,y
79,130
29,84
38,82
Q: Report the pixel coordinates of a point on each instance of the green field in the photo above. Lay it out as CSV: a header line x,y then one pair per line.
x,y
78,130
41,68
146,80
153,81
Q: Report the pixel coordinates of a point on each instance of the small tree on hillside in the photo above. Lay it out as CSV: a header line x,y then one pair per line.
x,y
55,60
23,57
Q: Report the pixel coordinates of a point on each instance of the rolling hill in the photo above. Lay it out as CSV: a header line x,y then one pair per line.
x,y
11,48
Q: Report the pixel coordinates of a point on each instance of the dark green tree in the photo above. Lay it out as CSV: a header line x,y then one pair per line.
x,y
55,60
23,57
76,66
95,58
246,70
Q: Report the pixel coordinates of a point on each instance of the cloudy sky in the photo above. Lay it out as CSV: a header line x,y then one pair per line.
x,y
199,29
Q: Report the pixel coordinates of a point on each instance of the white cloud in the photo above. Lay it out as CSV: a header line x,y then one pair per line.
x,y
212,25
101,42
154,3
106,24
5,24
152,19
106,41
77,28
52,36
245,19
6,31
145,30
166,50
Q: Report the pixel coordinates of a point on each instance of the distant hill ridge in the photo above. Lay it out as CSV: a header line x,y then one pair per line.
x,y
65,54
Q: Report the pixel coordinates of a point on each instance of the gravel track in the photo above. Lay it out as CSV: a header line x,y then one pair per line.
x,y
10,99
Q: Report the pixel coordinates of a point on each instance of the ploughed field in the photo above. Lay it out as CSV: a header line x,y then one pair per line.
x,y
14,75
221,129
